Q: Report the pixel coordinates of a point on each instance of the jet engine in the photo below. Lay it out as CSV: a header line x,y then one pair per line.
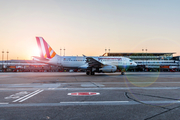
x,y
108,69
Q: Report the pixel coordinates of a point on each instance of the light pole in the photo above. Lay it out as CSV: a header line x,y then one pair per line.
x,y
146,57
178,65
64,51
60,51
143,59
7,57
2,58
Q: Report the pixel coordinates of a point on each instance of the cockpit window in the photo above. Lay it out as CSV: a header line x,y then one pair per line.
x,y
130,60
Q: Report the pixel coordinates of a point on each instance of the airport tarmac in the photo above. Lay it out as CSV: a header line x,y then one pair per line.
x,y
76,96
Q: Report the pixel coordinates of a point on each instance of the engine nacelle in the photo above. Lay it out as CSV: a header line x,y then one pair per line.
x,y
108,69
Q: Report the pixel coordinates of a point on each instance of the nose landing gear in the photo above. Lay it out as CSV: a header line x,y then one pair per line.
x,y
122,71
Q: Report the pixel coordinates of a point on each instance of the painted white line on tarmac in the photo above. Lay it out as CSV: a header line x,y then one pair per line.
x,y
31,96
160,102
94,102
3,103
102,88
116,102
27,95
51,88
136,82
88,103
119,88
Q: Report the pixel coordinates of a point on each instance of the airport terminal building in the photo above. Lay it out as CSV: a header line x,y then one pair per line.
x,y
152,61
27,66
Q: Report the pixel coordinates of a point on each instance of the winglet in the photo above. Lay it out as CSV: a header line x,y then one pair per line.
x,y
83,55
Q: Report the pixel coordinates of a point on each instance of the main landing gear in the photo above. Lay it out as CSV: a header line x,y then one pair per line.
x,y
89,72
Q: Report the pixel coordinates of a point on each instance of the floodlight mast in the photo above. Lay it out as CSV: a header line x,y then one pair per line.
x,y
2,58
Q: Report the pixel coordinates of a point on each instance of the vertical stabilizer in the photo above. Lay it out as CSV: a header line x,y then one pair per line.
x,y
45,50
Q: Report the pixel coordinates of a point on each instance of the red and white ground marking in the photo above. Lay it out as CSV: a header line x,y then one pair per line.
x,y
83,93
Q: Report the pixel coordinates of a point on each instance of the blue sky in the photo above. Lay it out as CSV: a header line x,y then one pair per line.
x,y
89,26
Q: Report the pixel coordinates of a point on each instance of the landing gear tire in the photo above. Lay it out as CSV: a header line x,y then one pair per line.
x,y
87,72
92,73
122,73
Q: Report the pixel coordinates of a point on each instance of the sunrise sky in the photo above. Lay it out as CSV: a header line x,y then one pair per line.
x,y
89,26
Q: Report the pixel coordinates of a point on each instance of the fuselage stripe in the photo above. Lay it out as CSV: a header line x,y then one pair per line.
x,y
39,45
42,46
50,50
46,48
53,54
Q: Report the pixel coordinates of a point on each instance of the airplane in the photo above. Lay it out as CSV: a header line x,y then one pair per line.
x,y
104,64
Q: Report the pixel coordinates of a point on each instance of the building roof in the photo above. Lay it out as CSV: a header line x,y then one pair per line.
x,y
20,61
139,54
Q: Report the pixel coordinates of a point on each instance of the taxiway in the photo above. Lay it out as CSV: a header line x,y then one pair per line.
x,y
46,96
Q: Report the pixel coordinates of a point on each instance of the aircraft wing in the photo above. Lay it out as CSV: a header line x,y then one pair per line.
x,y
93,62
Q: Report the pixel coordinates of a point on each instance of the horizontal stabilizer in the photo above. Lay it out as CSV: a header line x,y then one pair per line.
x,y
36,58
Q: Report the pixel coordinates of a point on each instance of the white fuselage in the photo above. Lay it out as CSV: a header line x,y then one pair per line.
x,y
80,62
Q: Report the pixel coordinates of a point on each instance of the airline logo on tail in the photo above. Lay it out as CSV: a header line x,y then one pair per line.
x,y
45,50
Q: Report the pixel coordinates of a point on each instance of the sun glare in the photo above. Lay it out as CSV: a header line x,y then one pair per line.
x,y
35,52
